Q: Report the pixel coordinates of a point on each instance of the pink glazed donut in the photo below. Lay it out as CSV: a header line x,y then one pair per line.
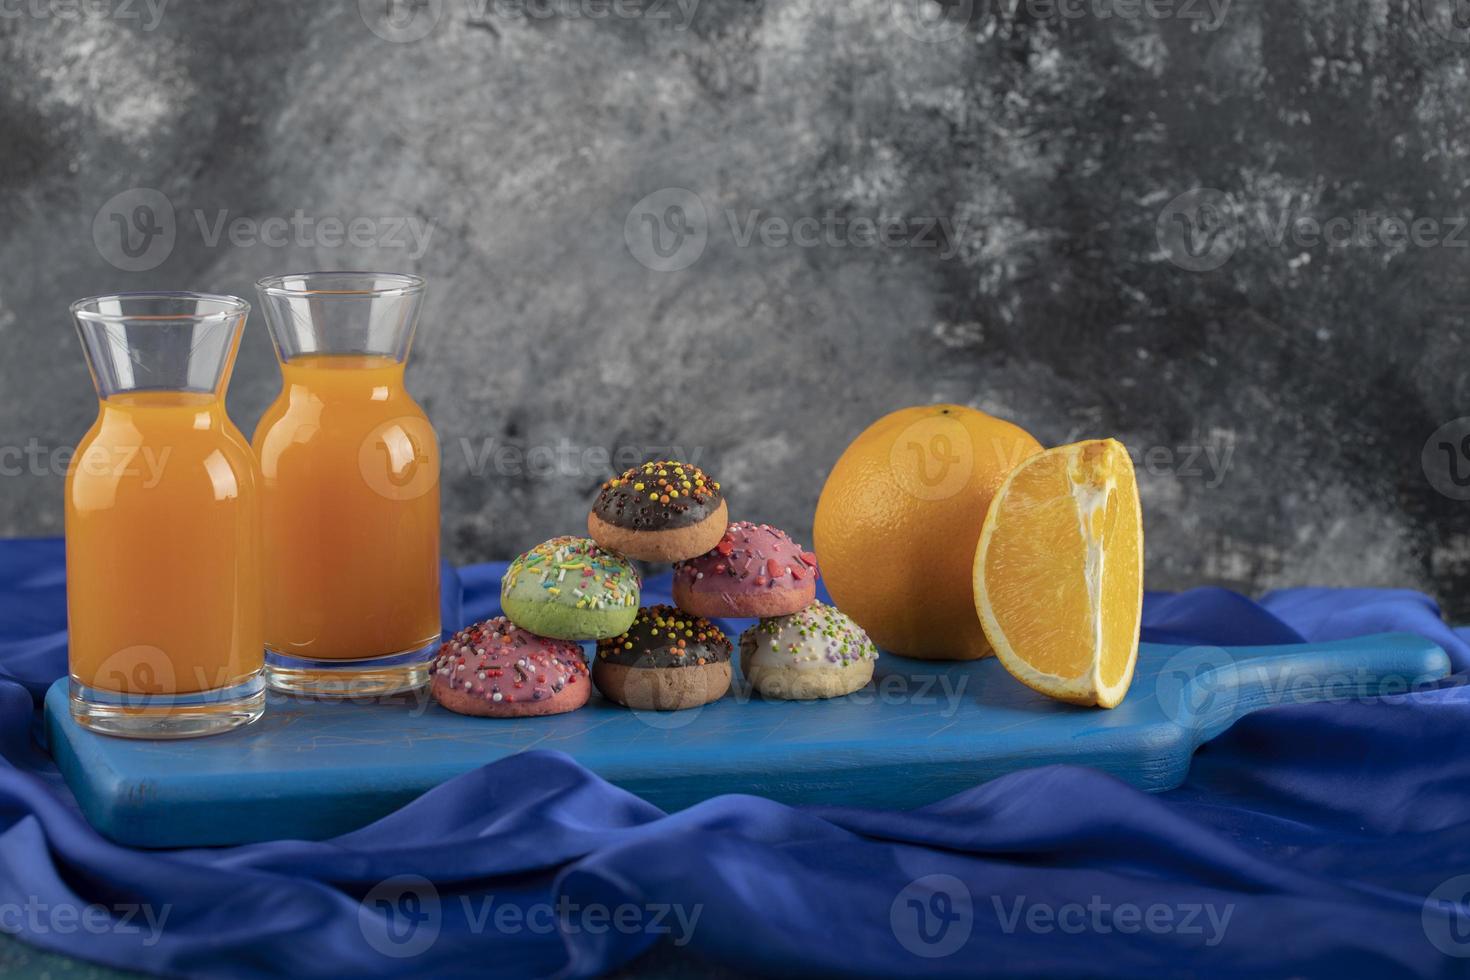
x,y
498,670
755,570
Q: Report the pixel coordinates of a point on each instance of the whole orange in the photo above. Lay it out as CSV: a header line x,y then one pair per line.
x,y
899,519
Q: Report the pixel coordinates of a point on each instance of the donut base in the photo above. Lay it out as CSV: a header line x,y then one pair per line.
x,y
662,688
806,683
569,698
547,618
671,544
750,605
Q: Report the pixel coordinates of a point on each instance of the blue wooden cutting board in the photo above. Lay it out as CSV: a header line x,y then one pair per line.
x,y
919,733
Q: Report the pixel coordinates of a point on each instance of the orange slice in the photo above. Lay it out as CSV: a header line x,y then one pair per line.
x,y
1059,573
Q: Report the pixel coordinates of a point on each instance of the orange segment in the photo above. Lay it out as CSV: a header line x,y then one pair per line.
x,y
1058,573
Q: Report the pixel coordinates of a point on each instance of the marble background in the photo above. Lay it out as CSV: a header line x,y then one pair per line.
x,y
1231,234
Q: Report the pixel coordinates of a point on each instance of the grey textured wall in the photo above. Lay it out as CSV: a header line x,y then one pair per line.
x,y
854,207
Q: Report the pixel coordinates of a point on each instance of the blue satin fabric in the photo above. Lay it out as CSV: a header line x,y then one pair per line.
x,y
1305,842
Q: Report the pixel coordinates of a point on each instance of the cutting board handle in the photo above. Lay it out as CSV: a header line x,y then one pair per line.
x,y
1206,689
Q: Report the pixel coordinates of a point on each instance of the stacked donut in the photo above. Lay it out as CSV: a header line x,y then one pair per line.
x,y
661,657
800,649
528,661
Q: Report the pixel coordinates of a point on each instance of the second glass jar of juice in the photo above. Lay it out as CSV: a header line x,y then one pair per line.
x,y
349,489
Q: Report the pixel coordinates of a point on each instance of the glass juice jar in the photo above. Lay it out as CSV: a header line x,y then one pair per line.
x,y
163,554
350,489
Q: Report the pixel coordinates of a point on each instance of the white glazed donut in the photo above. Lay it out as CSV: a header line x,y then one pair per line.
x,y
816,653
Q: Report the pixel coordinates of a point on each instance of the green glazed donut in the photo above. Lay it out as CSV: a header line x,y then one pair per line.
x,y
570,589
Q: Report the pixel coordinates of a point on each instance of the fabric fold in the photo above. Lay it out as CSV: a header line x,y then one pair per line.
x,y
1308,839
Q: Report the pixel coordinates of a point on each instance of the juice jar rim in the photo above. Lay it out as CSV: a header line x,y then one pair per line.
x,y
342,284
165,306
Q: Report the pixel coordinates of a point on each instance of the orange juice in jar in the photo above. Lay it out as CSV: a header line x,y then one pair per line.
x,y
162,525
349,489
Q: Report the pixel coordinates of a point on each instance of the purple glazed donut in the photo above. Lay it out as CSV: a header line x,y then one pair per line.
x,y
755,571
499,670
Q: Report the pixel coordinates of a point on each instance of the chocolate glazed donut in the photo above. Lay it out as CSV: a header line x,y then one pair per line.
x,y
661,511
667,661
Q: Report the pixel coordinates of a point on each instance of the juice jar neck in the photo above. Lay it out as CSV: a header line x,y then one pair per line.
x,y
344,375
143,410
